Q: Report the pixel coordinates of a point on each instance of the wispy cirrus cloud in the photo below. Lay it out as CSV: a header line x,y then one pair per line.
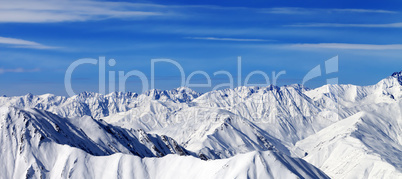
x,y
228,39
299,10
365,11
293,10
44,11
20,43
50,11
18,70
350,46
389,25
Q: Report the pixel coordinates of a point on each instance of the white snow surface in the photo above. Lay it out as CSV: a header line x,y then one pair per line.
x,y
345,131
39,144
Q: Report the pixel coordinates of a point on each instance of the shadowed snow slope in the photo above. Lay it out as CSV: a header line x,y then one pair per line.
x,y
361,146
39,144
26,133
346,131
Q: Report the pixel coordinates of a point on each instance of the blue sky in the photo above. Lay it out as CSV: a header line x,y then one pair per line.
x,y
40,39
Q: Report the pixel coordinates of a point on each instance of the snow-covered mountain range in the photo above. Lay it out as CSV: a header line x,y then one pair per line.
x,y
336,131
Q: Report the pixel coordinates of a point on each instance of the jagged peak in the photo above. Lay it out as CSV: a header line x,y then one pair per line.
x,y
255,89
47,95
87,94
29,95
398,76
122,94
152,92
179,89
186,90
394,80
181,94
298,87
183,88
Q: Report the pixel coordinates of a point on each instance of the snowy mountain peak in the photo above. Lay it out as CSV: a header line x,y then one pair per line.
x,y
33,127
29,95
182,94
119,94
393,81
398,75
343,130
185,89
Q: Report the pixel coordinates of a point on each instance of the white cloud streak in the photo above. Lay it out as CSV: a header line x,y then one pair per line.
x,y
365,11
19,43
228,39
390,25
27,11
298,10
48,11
350,46
18,70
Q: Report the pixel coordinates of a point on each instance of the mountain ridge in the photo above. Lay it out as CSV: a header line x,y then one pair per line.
x,y
220,125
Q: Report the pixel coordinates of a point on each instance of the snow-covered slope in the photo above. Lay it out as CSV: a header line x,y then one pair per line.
x,y
347,131
30,128
61,161
361,146
368,143
284,112
39,144
224,123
